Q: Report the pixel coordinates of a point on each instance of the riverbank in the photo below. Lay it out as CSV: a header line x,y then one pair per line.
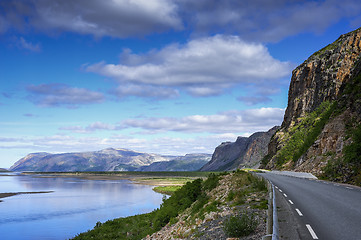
x,y
144,178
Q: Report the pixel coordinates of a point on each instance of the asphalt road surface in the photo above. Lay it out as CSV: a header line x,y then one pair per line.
x,y
323,210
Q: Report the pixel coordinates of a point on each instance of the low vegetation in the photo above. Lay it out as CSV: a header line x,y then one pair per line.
x,y
188,206
348,168
239,226
302,135
169,190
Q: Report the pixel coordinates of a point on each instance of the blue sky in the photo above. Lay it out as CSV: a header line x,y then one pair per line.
x,y
160,76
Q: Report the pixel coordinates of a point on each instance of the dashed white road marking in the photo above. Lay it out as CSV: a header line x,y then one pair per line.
x,y
285,194
280,190
276,187
290,202
349,187
299,212
313,234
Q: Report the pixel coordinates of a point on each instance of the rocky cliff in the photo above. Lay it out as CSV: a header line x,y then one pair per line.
x,y
244,152
323,104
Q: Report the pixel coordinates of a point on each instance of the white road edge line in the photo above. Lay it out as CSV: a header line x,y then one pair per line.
x,y
290,202
299,212
285,194
313,234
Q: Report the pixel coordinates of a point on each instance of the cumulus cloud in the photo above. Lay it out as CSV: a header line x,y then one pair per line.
x,y
250,120
202,67
50,95
99,18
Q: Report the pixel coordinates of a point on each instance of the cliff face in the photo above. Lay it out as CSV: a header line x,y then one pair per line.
x,y
244,152
322,105
321,76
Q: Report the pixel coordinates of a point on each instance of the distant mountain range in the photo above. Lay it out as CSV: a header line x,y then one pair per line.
x,y
189,162
3,170
109,159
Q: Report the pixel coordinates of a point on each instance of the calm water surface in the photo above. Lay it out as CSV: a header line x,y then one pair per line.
x,y
74,207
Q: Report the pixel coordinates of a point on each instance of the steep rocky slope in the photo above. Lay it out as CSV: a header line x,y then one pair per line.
x,y
244,152
323,105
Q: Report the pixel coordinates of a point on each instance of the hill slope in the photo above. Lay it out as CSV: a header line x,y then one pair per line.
x,y
323,111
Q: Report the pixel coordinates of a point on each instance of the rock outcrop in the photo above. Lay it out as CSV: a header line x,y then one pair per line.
x,y
328,76
244,152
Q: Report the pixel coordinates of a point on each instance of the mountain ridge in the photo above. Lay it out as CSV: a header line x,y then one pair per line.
x,y
109,159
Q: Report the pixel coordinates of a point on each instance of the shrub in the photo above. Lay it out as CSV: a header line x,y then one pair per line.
x,y
238,226
211,182
304,134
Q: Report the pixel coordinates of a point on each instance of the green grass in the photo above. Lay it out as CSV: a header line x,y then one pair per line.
x,y
169,190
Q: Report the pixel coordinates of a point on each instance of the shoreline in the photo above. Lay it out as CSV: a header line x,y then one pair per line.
x,y
157,179
148,178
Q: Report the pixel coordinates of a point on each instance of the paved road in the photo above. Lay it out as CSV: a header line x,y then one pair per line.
x,y
325,210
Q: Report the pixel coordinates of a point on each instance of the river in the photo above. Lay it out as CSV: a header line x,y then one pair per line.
x,y
73,206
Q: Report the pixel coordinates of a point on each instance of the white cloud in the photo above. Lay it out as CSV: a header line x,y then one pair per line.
x,y
202,67
251,120
49,95
225,124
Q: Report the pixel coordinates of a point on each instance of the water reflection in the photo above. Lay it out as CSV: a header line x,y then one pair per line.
x,y
74,206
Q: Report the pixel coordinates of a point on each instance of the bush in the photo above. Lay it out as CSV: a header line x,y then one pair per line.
x,y
238,226
211,182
